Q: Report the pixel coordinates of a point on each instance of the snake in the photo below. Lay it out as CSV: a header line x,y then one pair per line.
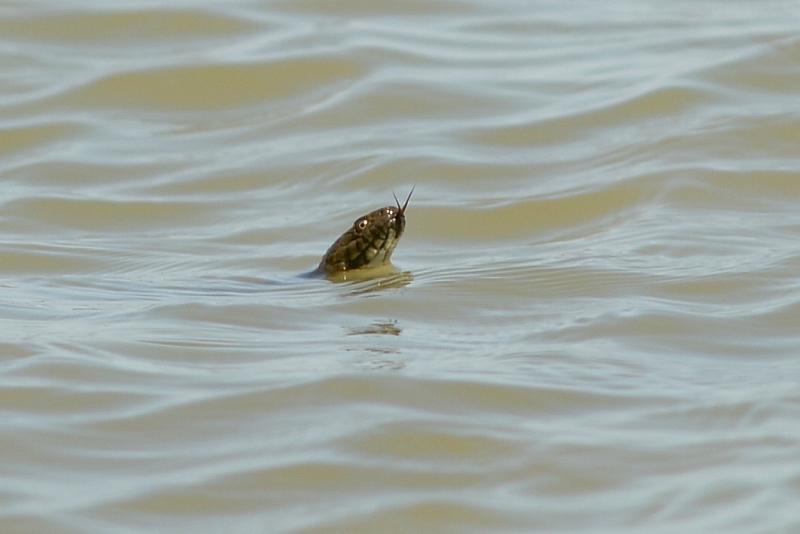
x,y
369,242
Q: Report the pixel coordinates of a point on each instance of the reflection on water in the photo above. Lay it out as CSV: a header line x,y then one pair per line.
x,y
377,328
594,321
363,283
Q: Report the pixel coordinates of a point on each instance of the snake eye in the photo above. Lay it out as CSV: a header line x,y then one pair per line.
x,y
361,224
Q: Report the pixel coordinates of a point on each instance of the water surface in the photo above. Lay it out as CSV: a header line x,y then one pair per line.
x,y
594,324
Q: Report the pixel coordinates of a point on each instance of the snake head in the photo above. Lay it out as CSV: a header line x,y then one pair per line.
x,y
370,242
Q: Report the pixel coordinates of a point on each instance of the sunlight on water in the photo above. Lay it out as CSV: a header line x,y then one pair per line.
x,y
592,323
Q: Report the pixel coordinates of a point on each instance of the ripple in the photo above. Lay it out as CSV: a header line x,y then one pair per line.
x,y
106,215
111,28
211,86
582,123
24,138
592,323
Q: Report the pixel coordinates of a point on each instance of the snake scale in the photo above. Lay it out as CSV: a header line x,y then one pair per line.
x,y
369,242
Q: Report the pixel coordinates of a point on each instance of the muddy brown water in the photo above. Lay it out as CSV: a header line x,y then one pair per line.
x,y
595,320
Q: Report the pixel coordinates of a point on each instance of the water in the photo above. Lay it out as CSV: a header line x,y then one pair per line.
x,y
595,322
